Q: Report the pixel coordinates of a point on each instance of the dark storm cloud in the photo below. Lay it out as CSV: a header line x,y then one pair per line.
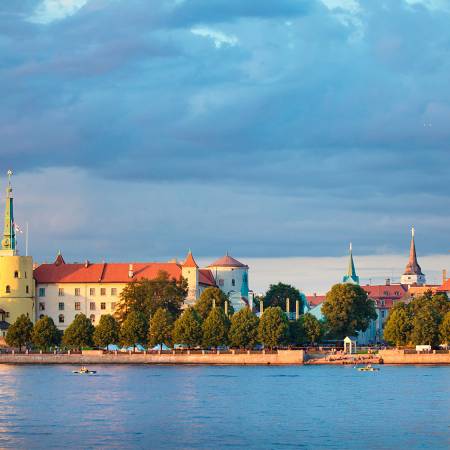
x,y
344,110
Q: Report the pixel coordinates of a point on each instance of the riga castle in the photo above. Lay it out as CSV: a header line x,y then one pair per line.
x,y
61,290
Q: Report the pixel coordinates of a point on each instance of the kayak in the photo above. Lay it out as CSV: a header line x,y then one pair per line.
x,y
368,369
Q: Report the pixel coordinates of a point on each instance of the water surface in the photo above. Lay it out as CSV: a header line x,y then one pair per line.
x,y
225,407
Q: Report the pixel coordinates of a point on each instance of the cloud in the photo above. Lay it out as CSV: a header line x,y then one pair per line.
x,y
217,37
49,11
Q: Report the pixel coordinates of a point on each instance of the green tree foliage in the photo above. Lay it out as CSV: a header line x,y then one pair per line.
x,y
161,328
45,334
347,309
211,295
273,327
146,296
277,295
312,328
19,333
398,326
215,329
79,333
426,326
107,331
243,331
188,329
134,329
296,333
444,329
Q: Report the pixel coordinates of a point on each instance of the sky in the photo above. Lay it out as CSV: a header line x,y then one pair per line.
x,y
275,130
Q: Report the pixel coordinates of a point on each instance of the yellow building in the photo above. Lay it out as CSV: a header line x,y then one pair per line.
x,y
16,272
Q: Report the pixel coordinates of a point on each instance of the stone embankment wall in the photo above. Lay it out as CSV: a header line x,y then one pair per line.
x,y
281,357
405,357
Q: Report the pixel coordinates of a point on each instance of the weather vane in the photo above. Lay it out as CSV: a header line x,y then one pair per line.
x,y
9,173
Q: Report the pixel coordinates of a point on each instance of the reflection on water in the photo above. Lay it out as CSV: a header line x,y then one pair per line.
x,y
217,407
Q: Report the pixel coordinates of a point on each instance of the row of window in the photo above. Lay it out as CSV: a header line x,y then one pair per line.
x,y
222,282
77,292
8,289
17,274
77,306
61,318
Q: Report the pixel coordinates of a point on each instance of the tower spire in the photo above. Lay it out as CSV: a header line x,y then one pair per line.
x,y
413,272
9,233
351,276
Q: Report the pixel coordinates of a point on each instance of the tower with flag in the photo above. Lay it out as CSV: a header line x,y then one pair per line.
x,y
16,271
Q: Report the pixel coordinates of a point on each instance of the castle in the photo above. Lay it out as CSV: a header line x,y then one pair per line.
x,y
61,290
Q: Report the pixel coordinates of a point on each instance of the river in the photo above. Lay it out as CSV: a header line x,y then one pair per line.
x,y
214,407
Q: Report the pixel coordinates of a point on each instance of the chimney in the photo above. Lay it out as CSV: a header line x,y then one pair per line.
x,y
130,271
388,281
86,264
444,276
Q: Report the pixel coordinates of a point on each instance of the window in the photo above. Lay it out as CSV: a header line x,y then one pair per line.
x,y
61,306
221,282
25,274
16,274
27,290
103,291
41,316
386,293
383,313
92,317
382,302
113,292
397,293
102,305
41,292
92,306
113,306
233,282
61,292
8,289
77,306
7,314
61,318
77,292
92,292
41,306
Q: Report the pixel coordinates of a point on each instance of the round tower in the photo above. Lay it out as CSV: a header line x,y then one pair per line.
x,y
16,273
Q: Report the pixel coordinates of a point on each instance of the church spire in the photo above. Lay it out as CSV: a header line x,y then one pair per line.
x,y
9,233
413,272
351,276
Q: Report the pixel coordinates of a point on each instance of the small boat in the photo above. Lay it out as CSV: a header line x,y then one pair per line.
x,y
368,368
84,371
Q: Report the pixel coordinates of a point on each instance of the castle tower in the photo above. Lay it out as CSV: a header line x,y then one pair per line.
x,y
351,276
413,272
16,272
189,270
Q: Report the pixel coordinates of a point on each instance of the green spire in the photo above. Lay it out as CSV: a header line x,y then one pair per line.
x,y
351,276
9,234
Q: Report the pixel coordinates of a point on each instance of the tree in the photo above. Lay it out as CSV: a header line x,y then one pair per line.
x,y
273,327
278,293
215,329
347,310
444,329
243,329
398,325
211,295
79,333
107,331
134,329
426,326
161,327
45,334
296,333
312,328
19,333
146,296
188,329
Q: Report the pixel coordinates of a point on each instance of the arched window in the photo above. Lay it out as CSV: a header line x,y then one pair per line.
x,y
16,274
41,316
61,318
8,289
92,317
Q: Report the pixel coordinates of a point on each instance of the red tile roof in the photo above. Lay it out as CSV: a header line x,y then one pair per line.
x,y
386,291
227,261
445,286
315,300
102,273
205,276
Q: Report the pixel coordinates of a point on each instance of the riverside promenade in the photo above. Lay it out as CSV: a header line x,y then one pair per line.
x,y
276,357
